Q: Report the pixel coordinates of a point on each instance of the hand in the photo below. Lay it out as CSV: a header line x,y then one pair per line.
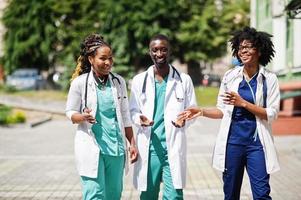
x,y
133,153
87,116
190,113
232,98
144,121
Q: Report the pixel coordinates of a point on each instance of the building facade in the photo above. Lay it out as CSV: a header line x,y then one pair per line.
x,y
271,16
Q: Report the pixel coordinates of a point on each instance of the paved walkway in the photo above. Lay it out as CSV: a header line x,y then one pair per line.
x,y
55,107
38,163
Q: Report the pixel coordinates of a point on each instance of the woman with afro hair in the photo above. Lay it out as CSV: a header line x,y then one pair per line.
x,y
248,103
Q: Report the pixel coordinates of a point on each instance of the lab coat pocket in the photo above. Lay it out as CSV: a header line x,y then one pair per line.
x,y
85,148
177,104
180,99
179,96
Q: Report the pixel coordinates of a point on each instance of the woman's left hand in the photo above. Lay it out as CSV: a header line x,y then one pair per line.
x,y
232,98
133,153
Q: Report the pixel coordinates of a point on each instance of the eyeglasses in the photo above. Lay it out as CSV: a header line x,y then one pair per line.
x,y
248,48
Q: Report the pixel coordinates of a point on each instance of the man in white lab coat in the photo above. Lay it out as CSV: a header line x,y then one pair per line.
x,y
158,95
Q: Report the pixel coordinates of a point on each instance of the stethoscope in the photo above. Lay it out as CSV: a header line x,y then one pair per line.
x,y
174,73
114,78
227,80
264,88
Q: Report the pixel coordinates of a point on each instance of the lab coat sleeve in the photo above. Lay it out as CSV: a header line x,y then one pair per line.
x,y
73,104
125,111
134,103
190,94
222,89
191,99
273,98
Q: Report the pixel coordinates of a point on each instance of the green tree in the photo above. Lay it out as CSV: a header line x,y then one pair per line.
x,y
74,21
47,33
129,25
204,33
30,33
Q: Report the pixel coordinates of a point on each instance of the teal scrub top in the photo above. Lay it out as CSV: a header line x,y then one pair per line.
x,y
158,137
106,130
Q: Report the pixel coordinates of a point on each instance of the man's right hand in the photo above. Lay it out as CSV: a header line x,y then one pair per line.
x,y
144,121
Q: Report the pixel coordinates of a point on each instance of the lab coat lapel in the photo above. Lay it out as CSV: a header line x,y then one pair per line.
x,y
171,83
238,78
259,91
115,90
233,80
150,94
91,94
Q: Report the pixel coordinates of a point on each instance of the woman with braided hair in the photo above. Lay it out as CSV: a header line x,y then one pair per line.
x,y
248,103
97,102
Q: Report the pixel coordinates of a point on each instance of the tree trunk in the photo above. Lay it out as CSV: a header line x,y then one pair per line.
x,y
194,71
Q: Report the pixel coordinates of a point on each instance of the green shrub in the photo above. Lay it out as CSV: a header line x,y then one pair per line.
x,y
20,117
10,120
9,117
5,111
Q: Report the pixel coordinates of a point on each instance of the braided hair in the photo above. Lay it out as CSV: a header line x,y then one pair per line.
x,y
88,48
260,40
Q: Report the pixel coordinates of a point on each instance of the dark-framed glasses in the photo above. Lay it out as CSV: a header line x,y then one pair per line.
x,y
247,47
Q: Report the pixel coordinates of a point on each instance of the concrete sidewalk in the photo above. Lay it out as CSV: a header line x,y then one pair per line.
x,y
38,163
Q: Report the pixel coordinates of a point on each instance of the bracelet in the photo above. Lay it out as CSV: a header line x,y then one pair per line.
x,y
201,112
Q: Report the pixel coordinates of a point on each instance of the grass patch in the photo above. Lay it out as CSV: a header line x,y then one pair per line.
x,y
206,96
40,94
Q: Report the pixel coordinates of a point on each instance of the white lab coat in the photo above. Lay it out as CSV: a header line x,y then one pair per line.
x,y
231,80
86,148
179,95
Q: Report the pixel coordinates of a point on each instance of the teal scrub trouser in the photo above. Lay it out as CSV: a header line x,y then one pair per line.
x,y
158,170
108,184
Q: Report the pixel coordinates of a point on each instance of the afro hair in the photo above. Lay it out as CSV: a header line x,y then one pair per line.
x,y
260,40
